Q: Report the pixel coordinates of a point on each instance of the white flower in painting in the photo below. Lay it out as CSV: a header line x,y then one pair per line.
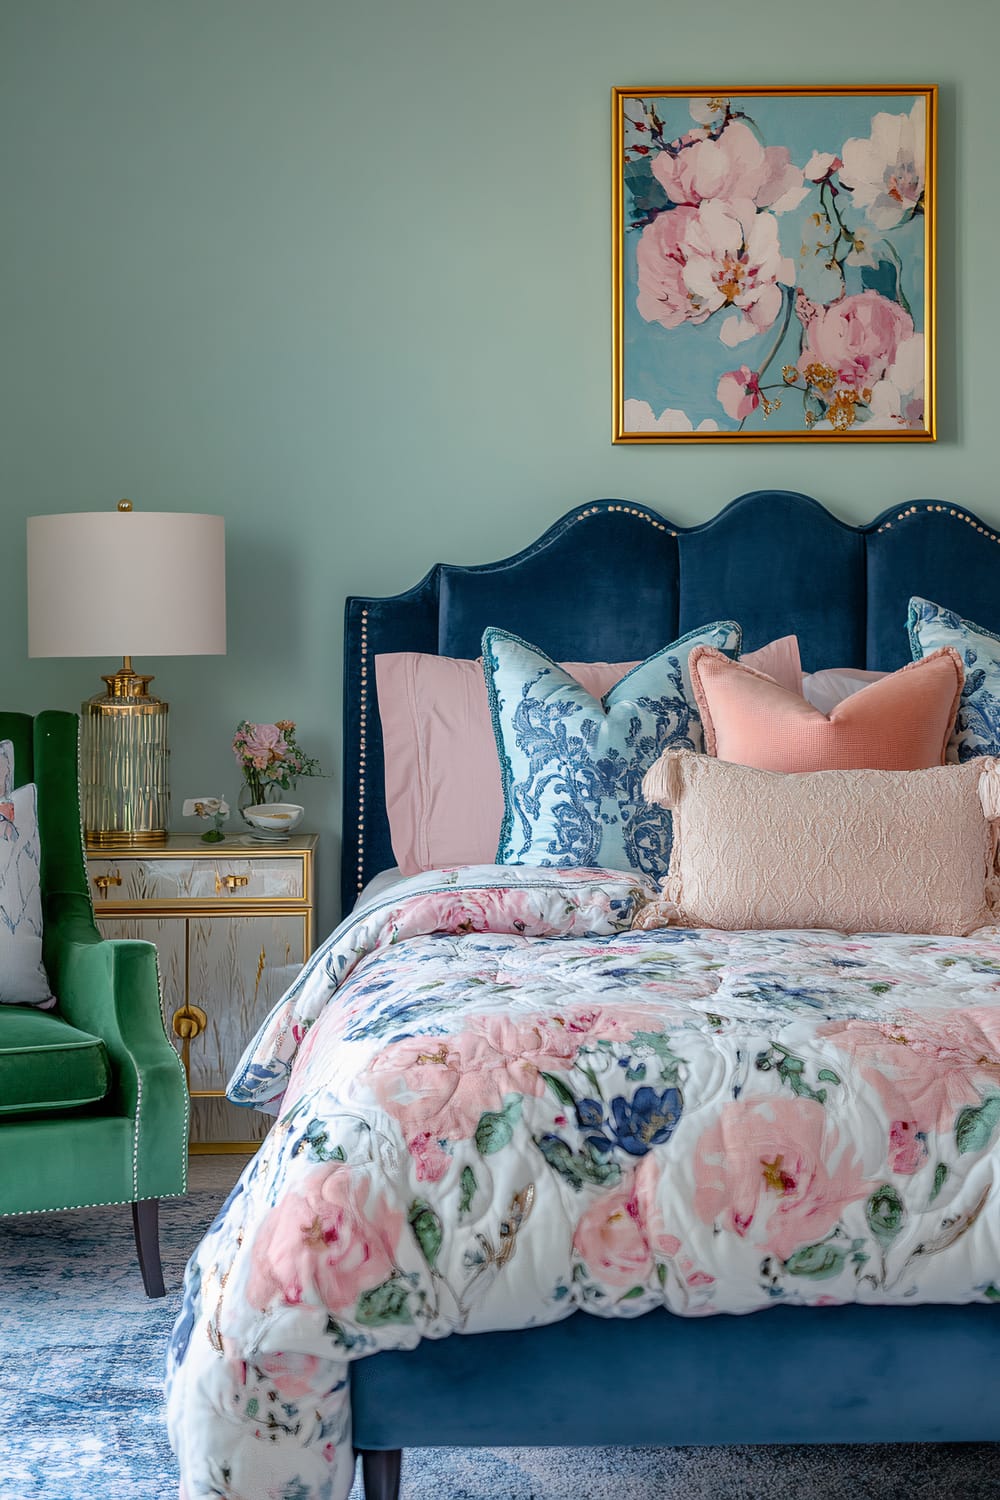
x,y
734,260
639,418
821,164
709,111
885,172
898,399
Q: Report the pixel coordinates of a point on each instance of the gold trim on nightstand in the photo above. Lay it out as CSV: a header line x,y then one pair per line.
x,y
233,922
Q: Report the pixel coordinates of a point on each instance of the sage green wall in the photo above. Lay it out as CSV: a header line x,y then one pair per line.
x,y
340,270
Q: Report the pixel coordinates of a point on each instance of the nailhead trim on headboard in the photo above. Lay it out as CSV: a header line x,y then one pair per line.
x,y
362,749
911,510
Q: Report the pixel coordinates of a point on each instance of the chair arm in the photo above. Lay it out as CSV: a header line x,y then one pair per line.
x,y
110,987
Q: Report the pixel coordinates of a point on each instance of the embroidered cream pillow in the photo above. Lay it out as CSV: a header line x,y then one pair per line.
x,y
855,850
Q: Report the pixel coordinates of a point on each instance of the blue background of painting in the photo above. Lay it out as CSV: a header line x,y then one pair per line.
x,y
681,367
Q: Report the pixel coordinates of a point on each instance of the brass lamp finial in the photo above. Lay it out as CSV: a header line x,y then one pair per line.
x,y
124,505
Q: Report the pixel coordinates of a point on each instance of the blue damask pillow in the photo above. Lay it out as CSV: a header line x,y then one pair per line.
x,y
977,723
572,764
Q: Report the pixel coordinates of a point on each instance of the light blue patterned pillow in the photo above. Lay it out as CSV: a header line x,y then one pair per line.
x,y
22,975
977,723
572,765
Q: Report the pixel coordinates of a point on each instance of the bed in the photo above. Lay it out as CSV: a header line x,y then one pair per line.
x,y
289,1416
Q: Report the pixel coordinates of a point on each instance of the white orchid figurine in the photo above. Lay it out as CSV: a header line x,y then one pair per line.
x,y
216,808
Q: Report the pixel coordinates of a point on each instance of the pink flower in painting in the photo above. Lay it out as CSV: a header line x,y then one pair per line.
x,y
332,1238
733,166
661,259
693,262
885,172
610,1240
925,1068
739,392
852,342
771,1170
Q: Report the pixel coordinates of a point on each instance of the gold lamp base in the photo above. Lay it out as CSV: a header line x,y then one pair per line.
x,y
123,763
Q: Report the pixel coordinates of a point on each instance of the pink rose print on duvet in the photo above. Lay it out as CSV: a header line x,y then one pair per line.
x,y
926,1070
611,1241
328,1240
773,1172
438,1087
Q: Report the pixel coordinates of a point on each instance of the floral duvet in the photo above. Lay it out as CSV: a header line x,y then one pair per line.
x,y
497,1103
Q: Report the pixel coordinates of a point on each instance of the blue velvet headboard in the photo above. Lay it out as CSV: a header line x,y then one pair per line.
x,y
613,581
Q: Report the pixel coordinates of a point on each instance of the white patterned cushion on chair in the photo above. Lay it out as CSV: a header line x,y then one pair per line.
x,y
22,975
6,767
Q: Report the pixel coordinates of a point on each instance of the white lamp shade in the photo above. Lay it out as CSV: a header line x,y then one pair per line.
x,y
126,583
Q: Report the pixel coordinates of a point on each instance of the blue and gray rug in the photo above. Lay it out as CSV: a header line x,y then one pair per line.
x,y
84,1421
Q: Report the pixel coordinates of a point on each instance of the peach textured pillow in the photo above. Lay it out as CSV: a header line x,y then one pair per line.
x,y
900,723
859,851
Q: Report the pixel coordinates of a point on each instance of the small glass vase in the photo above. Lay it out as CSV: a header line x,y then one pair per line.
x,y
255,796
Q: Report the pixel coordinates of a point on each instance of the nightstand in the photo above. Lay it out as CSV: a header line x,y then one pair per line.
x,y
233,923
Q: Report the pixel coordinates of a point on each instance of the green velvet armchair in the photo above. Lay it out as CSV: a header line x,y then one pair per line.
x,y
93,1103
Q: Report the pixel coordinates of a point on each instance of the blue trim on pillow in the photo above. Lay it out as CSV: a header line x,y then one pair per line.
x,y
491,665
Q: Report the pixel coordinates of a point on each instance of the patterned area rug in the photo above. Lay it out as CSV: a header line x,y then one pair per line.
x,y
81,1420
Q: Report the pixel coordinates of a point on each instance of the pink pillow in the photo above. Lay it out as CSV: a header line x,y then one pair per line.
x,y
443,792
780,660
901,723
855,850
444,797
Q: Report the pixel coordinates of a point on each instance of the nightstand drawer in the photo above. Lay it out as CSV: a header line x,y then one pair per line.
x,y
156,878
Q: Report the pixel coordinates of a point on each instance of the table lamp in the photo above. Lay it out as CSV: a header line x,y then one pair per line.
x,y
124,583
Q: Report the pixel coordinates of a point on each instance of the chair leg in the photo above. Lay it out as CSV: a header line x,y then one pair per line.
x,y
146,1224
380,1471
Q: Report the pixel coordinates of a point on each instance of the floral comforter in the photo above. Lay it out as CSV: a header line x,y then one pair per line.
x,y
497,1104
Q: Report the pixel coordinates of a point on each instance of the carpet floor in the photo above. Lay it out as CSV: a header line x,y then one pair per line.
x,y
84,1421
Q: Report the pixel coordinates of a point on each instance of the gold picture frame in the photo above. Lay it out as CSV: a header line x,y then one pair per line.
x,y
773,254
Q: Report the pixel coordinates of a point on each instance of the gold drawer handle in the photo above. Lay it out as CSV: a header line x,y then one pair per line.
x,y
231,882
189,1021
104,881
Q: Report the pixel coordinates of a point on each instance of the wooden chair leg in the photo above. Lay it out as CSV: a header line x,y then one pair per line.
x,y
146,1224
380,1471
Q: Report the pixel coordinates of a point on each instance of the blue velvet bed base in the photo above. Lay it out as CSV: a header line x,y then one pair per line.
x,y
613,581
783,1375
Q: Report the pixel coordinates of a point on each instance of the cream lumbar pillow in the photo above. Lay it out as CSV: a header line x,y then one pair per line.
x,y
854,850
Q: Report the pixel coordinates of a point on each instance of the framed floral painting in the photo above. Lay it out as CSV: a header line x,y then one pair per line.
x,y
774,264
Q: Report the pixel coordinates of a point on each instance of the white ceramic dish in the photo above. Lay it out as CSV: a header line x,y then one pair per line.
x,y
273,821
